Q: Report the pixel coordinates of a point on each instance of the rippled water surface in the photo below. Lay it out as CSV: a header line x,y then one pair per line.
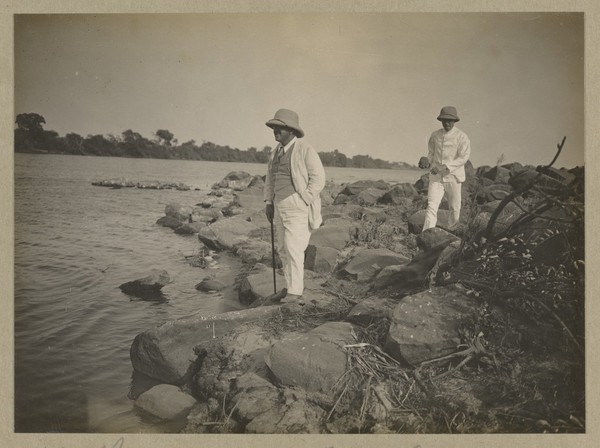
x,y
74,245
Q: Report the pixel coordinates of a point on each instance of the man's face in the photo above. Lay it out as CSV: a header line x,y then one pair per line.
x,y
282,134
447,124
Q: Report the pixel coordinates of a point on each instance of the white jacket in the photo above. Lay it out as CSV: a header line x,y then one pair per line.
x,y
452,149
308,179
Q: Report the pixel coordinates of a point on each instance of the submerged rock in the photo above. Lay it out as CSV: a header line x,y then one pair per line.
x,y
147,286
210,284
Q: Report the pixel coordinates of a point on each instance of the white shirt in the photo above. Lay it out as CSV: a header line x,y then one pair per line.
x,y
452,149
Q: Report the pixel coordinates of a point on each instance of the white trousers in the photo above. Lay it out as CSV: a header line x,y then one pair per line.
x,y
435,194
292,235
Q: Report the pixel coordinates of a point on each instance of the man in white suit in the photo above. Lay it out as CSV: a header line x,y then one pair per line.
x,y
295,178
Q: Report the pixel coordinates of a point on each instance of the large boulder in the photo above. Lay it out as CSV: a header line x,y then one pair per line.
x,y
147,286
426,325
180,212
169,221
226,233
367,263
334,236
258,286
166,352
313,361
368,196
236,180
398,194
166,402
320,259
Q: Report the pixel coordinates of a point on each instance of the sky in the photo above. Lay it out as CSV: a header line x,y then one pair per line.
x,y
362,83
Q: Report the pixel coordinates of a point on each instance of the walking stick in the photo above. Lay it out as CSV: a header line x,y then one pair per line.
x,y
273,256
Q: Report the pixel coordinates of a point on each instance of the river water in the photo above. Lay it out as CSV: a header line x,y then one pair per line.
x,y
74,245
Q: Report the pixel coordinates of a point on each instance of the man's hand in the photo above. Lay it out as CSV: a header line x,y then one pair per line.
x,y
423,163
270,212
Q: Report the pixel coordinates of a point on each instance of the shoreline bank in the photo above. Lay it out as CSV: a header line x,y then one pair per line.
x,y
369,267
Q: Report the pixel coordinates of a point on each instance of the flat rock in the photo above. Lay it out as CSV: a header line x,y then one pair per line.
x,y
166,402
356,187
313,361
426,325
330,235
254,251
226,233
367,263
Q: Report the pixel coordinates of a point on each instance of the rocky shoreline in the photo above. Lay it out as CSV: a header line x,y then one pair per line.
x,y
475,329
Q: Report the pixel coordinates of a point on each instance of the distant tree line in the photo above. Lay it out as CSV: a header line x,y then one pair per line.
x,y
31,137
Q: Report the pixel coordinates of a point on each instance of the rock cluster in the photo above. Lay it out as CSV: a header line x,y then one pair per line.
x,y
250,373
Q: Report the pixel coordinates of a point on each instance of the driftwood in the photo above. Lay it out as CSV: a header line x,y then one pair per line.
x,y
490,227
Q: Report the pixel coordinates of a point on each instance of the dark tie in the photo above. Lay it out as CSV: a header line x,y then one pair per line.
x,y
278,154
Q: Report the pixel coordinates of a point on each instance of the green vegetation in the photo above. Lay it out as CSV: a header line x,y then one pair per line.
x,y
31,137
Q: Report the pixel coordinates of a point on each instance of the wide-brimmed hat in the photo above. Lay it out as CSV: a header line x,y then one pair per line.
x,y
448,113
287,118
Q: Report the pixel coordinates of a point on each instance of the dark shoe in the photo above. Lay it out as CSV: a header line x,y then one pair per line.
x,y
280,295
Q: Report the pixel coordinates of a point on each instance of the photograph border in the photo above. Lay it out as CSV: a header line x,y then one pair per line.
x,y
8,438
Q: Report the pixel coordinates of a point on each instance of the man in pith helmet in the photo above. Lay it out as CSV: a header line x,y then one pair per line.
x,y
449,150
295,178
